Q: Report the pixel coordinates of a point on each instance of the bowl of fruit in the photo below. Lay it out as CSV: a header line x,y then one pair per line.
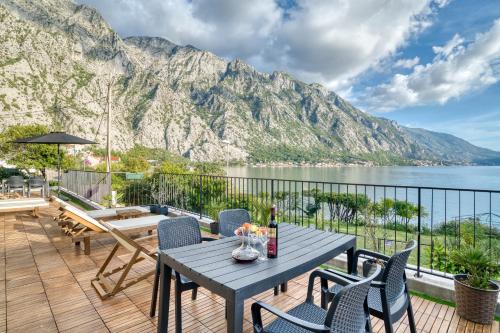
x,y
246,231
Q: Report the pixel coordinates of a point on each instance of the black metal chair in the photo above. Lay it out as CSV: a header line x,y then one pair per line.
x,y
348,312
388,298
173,233
15,183
36,183
232,219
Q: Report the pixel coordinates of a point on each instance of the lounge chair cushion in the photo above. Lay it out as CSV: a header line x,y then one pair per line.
x,y
138,222
110,212
21,204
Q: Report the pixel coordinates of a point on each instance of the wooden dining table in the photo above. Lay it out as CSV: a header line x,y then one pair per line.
x,y
211,266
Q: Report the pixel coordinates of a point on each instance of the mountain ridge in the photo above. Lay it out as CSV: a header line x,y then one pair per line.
x,y
60,57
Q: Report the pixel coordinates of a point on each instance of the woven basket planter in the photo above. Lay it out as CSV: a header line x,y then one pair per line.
x,y
477,305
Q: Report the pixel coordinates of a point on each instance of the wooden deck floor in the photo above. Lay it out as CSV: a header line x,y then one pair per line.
x,y
45,287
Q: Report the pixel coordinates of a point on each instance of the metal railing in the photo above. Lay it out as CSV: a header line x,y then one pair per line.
x,y
383,217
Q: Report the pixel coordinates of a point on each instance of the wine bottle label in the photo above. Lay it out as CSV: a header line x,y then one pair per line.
x,y
271,245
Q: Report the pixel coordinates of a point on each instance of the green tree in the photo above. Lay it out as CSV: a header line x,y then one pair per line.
x,y
31,156
173,167
134,163
344,206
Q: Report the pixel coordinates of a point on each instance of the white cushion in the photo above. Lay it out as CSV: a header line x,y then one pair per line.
x,y
28,204
34,200
138,222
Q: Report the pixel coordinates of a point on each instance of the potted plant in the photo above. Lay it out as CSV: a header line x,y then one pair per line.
x,y
213,211
476,294
158,193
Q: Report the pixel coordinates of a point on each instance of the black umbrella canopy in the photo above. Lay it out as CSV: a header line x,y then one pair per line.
x,y
58,138
55,138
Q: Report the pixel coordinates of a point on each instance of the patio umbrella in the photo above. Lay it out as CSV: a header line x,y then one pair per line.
x,y
55,138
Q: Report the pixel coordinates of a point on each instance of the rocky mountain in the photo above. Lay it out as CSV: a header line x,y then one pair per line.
x,y
57,60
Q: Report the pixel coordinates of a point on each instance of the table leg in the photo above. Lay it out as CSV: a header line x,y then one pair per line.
x,y
234,315
350,259
165,281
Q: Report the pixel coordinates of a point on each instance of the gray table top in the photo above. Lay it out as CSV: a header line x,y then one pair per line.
x,y
299,250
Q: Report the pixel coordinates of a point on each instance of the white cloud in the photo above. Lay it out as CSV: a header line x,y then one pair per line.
x,y
325,41
457,69
334,41
453,45
407,63
442,3
227,27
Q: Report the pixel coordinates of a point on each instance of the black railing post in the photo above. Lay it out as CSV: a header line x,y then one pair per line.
x,y
419,229
201,196
272,191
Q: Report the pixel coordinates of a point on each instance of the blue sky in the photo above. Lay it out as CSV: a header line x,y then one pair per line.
x,y
474,116
433,64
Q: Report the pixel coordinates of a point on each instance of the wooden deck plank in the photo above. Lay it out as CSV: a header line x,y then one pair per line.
x,y
42,270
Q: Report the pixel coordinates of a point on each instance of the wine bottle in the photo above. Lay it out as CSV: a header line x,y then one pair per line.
x,y
272,245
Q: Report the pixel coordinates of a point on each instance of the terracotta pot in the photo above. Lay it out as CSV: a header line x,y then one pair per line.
x,y
474,304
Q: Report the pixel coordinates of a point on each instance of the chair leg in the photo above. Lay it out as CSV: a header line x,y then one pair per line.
x,y
86,245
154,296
324,294
284,287
411,319
178,307
194,293
388,324
276,290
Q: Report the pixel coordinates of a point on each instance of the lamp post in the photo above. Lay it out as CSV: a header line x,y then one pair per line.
x,y
227,156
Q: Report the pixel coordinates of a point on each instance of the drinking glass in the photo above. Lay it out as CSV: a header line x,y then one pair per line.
x,y
263,239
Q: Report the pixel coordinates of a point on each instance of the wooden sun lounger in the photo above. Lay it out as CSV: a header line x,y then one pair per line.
x,y
104,286
83,226
22,205
61,220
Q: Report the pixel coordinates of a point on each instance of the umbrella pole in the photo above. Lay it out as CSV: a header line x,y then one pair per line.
x,y
58,170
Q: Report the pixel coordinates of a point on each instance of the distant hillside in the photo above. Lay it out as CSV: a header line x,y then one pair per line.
x,y
450,148
56,59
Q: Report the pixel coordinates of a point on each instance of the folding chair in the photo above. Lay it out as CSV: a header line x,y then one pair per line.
x,y
103,285
83,227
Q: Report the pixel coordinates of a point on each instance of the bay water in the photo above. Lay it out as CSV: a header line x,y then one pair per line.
x,y
440,205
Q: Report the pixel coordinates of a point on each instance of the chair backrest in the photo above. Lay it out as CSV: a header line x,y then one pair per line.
x,y
15,181
82,218
347,312
394,272
178,231
57,200
232,219
36,182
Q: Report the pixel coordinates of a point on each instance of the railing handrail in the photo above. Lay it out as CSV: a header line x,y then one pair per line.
x,y
439,188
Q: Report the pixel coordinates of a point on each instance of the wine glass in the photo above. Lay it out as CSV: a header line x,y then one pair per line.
x,y
263,239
